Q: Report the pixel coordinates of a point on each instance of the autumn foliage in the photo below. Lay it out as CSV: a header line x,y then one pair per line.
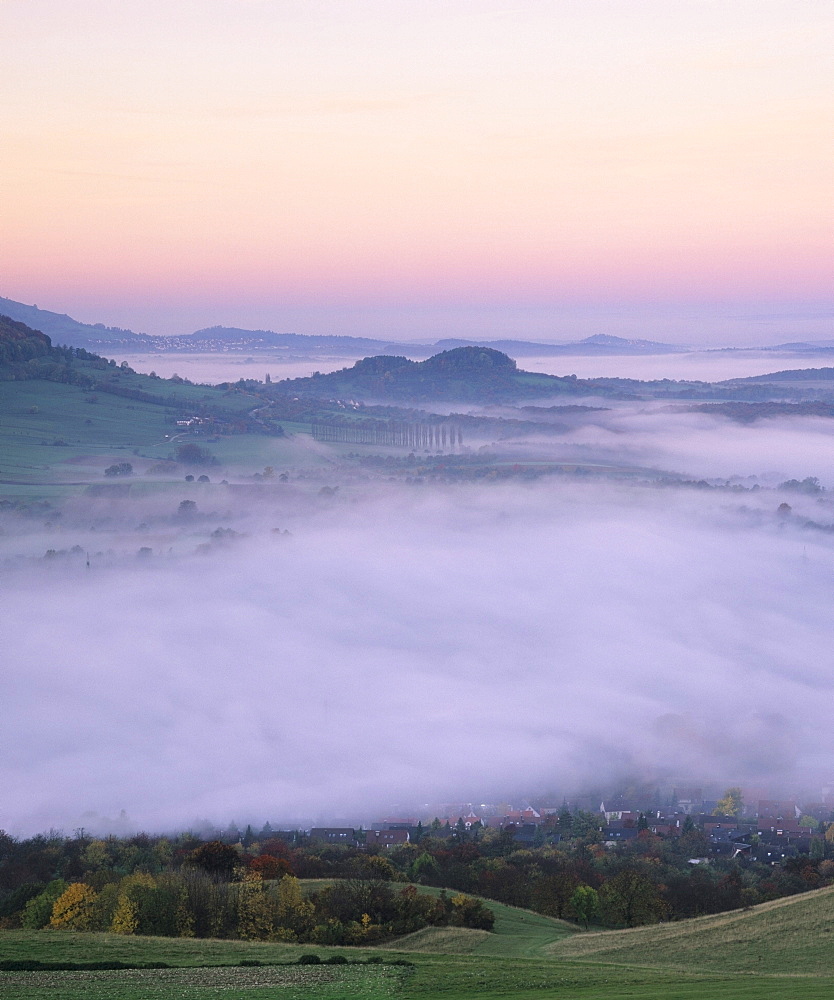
x,y
269,867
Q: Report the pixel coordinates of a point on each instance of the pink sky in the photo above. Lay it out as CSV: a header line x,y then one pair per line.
x,y
528,169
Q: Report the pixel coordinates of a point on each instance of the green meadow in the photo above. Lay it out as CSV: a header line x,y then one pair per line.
x,y
793,935
57,439
777,950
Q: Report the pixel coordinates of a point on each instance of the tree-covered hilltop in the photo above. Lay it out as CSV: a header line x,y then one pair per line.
x,y
468,374
19,343
484,375
27,354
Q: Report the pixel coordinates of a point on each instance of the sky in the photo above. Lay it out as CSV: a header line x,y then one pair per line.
x,y
531,169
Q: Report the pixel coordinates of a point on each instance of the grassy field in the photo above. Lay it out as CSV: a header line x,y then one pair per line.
x,y
787,936
517,934
45,427
777,950
55,442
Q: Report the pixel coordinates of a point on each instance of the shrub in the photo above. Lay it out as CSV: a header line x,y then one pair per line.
x,y
193,454
38,911
119,469
469,912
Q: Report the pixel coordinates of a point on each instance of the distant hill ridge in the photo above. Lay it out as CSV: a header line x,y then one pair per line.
x,y
791,375
268,338
63,329
598,344
461,374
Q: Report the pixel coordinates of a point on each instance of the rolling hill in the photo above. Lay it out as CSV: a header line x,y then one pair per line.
x,y
774,951
476,374
67,413
790,935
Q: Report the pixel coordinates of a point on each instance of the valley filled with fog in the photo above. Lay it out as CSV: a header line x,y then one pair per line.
x,y
631,595
706,365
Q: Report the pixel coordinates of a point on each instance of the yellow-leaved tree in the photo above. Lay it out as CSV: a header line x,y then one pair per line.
x,y
125,917
73,910
255,910
95,855
295,913
184,918
732,804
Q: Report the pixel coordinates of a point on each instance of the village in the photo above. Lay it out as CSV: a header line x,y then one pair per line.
x,y
761,829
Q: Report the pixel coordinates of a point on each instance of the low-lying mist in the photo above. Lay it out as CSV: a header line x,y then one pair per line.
x,y
406,644
702,444
669,438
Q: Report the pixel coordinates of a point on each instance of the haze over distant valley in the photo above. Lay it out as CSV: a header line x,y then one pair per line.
x,y
350,613
412,402
217,354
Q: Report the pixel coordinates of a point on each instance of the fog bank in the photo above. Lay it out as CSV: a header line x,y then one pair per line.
x,y
409,646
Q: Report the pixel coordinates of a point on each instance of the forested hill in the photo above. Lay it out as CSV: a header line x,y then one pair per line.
x,y
462,374
484,375
19,343
54,385
30,354
794,375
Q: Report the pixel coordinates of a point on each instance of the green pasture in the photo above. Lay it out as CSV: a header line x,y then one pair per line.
x,y
794,935
771,952
56,439
46,427
517,934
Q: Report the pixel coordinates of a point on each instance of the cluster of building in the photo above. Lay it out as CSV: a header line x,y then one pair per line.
x,y
764,829
378,836
771,831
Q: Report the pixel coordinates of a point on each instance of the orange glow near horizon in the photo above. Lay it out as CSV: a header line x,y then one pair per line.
x,y
440,153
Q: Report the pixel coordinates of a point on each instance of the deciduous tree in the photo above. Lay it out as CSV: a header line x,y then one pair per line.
x,y
73,909
255,910
730,804
585,904
215,857
630,898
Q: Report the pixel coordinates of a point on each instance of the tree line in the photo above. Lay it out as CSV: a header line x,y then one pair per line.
x,y
187,885
393,433
192,903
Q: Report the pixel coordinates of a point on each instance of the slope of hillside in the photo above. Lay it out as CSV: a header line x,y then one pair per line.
x,y
66,414
775,951
517,933
64,329
791,935
791,375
